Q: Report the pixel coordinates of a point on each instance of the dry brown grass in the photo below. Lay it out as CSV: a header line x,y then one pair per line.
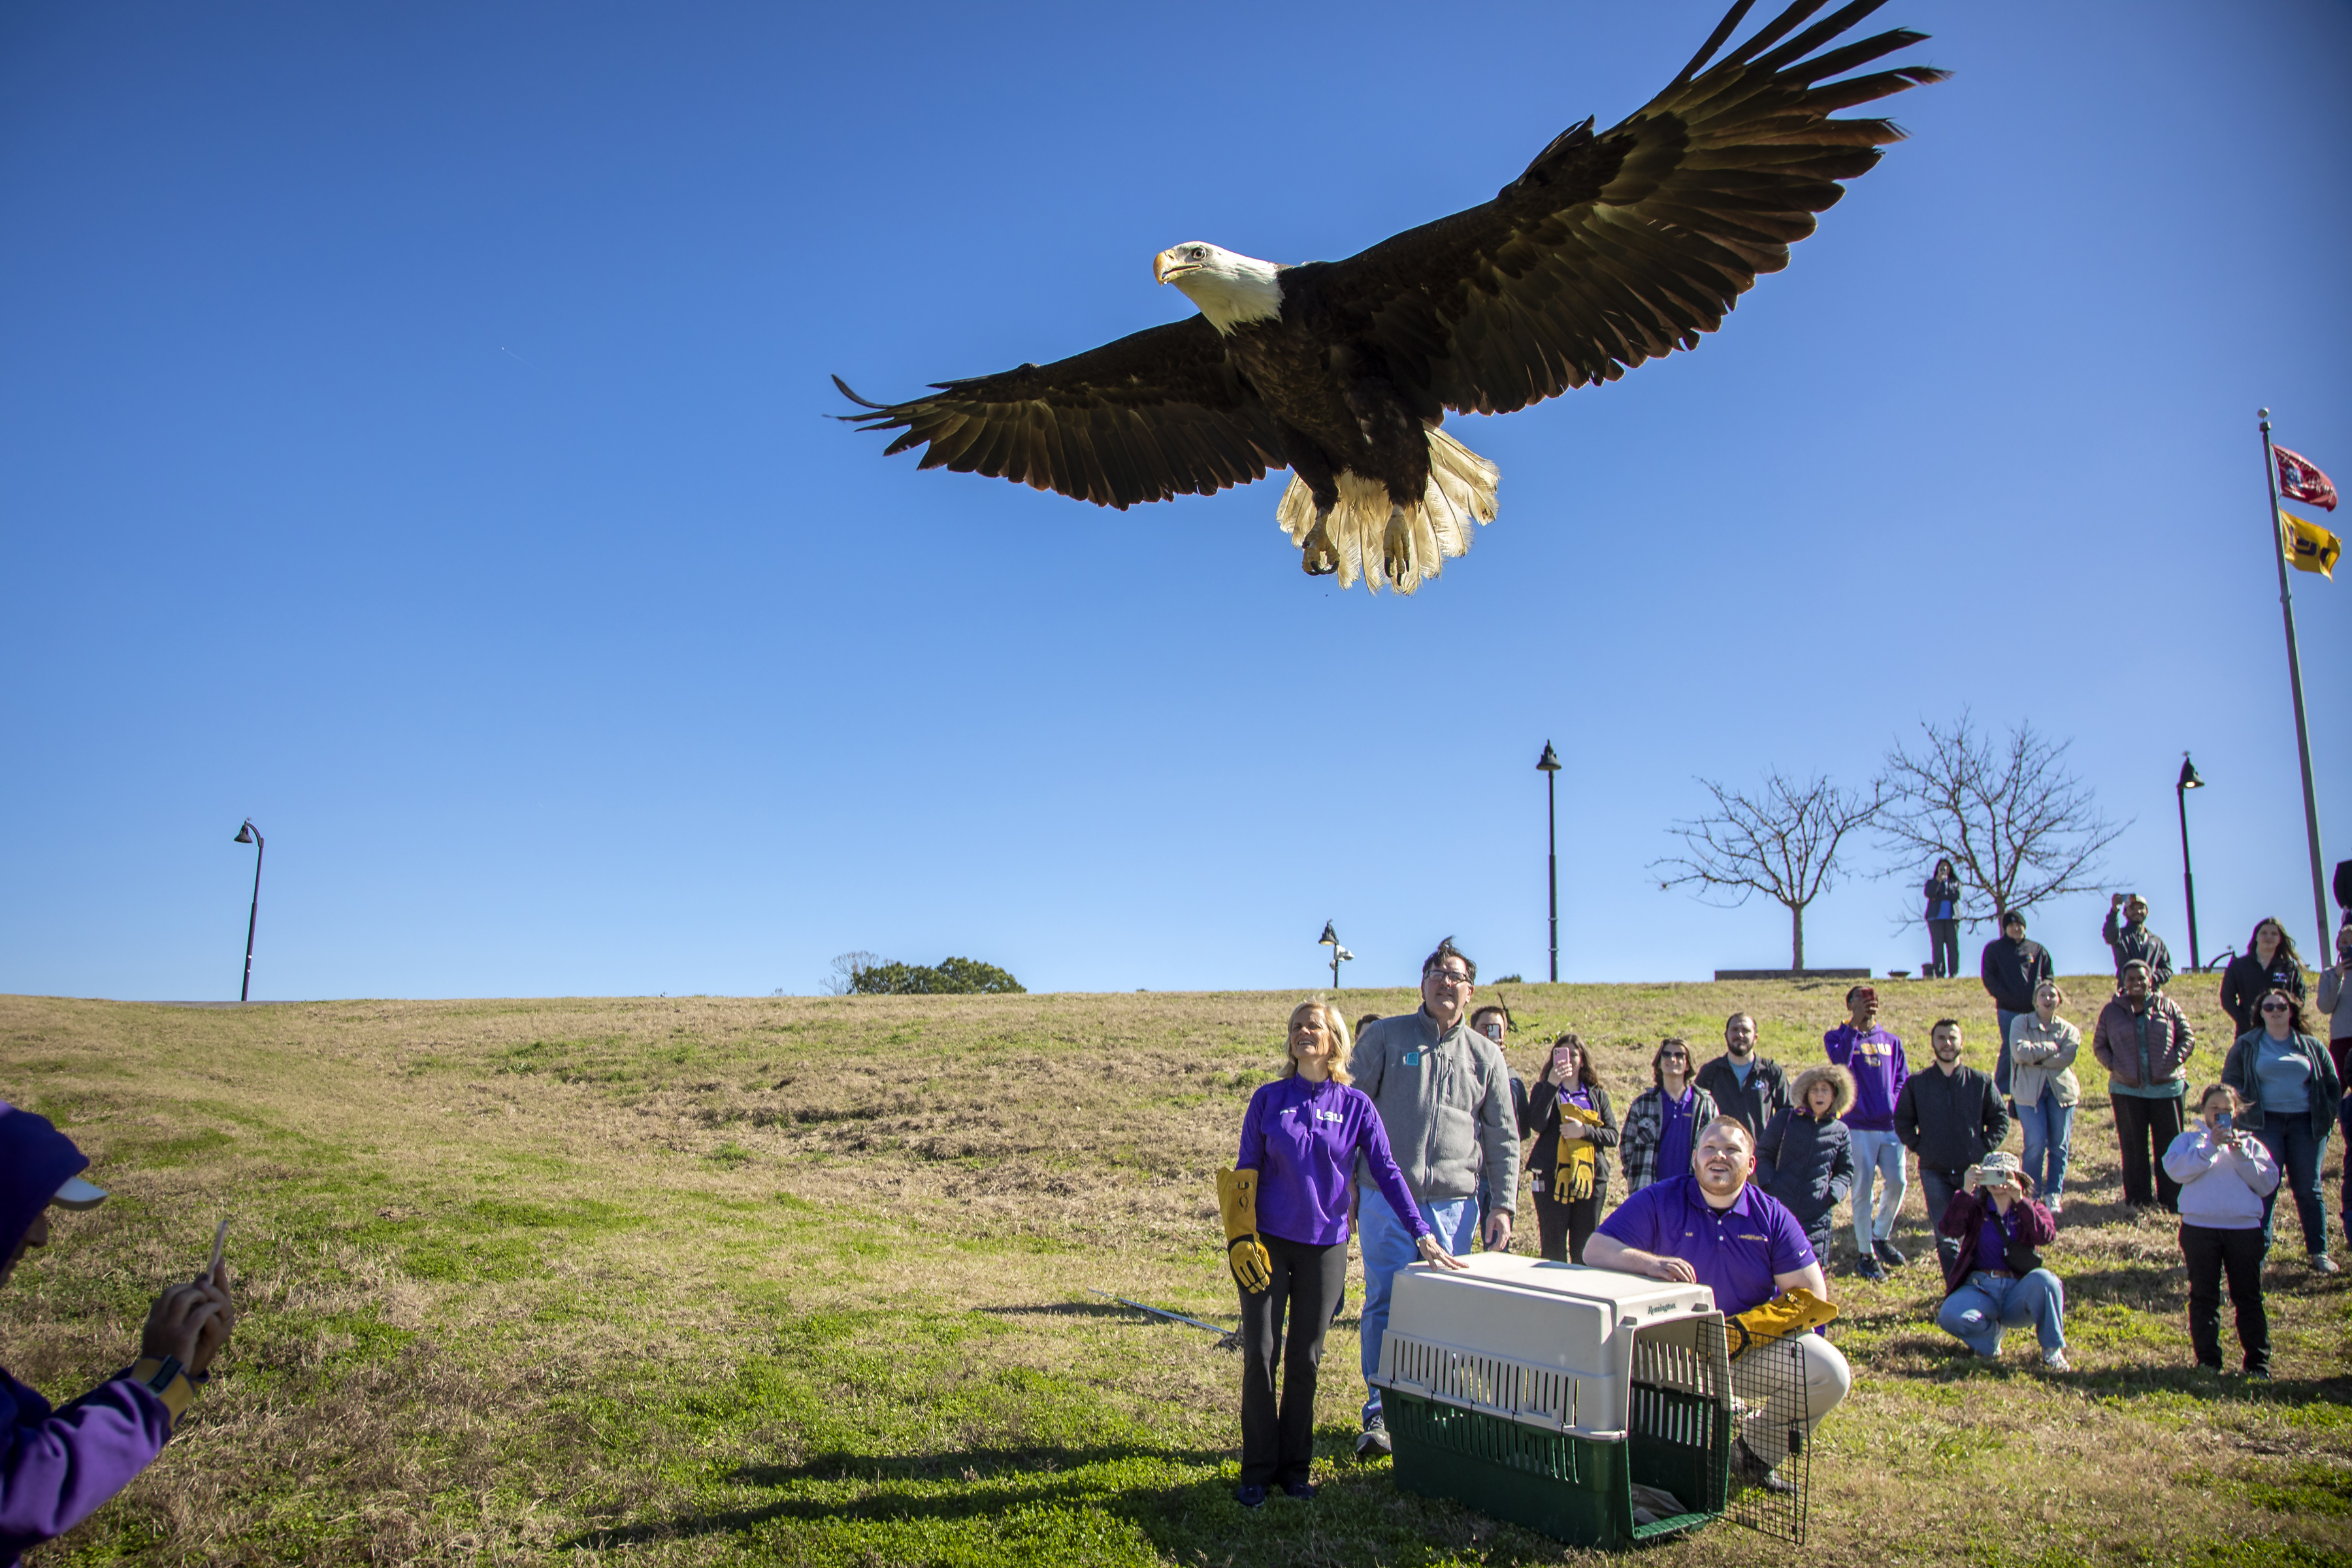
x,y
799,1279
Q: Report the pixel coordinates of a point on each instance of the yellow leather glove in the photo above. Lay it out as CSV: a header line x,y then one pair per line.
x,y
1245,1253
1573,1167
1790,1312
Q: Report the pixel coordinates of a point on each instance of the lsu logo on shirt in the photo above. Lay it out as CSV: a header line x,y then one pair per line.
x,y
1329,1116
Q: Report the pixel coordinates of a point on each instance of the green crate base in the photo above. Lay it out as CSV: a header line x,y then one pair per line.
x,y
1569,1489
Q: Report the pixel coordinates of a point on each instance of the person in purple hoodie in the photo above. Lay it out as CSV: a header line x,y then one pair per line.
x,y
1875,1057
1300,1137
59,1465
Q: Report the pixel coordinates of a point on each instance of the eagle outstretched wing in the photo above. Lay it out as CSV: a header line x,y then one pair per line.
x,y
1157,414
1612,249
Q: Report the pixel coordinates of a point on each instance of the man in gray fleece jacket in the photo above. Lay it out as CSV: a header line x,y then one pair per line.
x,y
1445,1098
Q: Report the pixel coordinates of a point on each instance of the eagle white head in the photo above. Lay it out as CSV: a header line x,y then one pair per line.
x,y
1230,288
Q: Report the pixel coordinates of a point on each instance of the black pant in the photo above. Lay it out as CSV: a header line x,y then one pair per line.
x,y
1564,1229
2208,1252
1937,1187
1944,948
2146,1128
1278,1444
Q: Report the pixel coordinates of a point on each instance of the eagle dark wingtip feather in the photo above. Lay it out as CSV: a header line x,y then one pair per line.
x,y
863,402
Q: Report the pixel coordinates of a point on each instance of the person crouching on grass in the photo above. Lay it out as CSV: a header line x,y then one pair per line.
x,y
58,1466
1998,1281
2227,1177
1284,1206
1712,1227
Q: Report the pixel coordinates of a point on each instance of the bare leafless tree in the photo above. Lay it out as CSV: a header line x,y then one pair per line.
x,y
841,974
2016,825
1783,841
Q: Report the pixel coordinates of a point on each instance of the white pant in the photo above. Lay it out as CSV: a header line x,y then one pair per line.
x,y
1779,1394
1876,1154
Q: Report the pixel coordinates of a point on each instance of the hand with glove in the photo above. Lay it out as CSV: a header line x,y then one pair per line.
x,y
1791,1312
1575,1159
1245,1253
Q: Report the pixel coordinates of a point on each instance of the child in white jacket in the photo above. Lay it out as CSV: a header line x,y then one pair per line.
x,y
2224,1176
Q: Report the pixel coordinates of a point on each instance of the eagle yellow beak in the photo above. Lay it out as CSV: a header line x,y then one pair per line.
x,y
1167,265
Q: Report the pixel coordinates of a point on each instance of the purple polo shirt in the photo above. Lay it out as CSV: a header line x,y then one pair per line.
x,y
1875,1059
1736,1252
1992,1239
1302,1139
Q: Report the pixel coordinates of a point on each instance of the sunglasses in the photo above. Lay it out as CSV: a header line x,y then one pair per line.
x,y
2276,1008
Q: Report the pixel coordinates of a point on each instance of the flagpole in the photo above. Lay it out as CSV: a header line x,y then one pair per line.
x,y
2294,681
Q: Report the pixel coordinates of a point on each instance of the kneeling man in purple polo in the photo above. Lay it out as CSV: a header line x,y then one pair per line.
x,y
1712,1227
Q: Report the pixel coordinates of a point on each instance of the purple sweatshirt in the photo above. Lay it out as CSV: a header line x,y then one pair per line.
x,y
1302,1139
56,1467
1875,1059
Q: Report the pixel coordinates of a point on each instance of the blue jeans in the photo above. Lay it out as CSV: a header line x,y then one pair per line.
x,y
1876,1154
2049,1129
1975,1313
1388,1249
2289,1140
2002,1067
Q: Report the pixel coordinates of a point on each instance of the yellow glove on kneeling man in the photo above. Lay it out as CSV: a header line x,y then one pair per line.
x,y
1790,1312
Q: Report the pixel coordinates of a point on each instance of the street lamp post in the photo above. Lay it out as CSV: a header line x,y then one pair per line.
x,y
1330,939
2187,782
251,834
1548,765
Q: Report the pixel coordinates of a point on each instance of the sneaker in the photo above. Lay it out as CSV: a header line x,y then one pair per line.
x,y
1374,1442
1869,1268
2258,1375
1250,1497
1749,1468
2322,1264
1887,1255
1303,1490
2055,1360
2056,1206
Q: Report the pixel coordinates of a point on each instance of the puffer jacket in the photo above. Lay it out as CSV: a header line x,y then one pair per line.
x,y
1807,1164
2171,1041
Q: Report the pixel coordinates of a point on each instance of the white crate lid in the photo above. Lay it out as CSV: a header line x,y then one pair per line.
x,y
1563,1317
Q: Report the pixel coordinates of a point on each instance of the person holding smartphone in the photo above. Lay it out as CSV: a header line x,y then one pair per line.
x,y
2225,1177
58,1465
1574,1127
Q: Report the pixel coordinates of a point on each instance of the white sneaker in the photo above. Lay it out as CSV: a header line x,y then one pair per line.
x,y
2056,1207
2055,1360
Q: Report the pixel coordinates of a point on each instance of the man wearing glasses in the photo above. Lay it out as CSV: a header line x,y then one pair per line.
x,y
1445,1098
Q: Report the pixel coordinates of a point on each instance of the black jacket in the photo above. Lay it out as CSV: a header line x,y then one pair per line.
x,y
2325,1089
1807,1164
2130,941
1951,1120
1942,890
2010,969
1767,1090
2244,983
1543,1125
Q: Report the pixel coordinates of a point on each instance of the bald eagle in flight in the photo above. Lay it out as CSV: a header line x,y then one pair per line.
x,y
1609,250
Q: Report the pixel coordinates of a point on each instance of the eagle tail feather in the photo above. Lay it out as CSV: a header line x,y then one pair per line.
x,y
1374,539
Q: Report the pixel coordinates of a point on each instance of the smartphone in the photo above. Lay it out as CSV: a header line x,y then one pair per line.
x,y
1560,1055
2222,1122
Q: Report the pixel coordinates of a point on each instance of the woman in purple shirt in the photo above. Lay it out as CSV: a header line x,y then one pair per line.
x,y
1301,1136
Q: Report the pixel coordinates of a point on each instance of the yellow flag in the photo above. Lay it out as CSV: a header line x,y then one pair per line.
x,y
2308,546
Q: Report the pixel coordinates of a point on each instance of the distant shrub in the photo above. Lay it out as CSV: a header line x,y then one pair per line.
x,y
1507,980
949,977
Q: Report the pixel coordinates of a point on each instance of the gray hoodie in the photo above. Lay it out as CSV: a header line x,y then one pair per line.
x,y
1444,1101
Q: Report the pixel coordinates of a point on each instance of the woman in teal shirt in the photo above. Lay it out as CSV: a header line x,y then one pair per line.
x,y
2288,1082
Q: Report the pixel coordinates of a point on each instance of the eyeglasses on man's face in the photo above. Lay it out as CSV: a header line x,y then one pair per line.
x,y
1450,976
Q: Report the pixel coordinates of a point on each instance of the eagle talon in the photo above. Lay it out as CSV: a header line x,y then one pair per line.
x,y
1318,556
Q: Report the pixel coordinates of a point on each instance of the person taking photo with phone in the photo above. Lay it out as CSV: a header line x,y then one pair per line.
x,y
1575,1128
58,1465
2287,1095
2226,1178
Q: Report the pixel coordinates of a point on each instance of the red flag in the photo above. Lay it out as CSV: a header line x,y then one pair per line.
x,y
2300,480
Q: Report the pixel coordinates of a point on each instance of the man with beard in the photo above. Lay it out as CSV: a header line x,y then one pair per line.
x,y
1746,1087
1951,1117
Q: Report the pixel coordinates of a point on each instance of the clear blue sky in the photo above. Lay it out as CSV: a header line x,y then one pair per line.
x,y
410,437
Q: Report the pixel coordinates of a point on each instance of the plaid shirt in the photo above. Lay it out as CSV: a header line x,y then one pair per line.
x,y
1646,1125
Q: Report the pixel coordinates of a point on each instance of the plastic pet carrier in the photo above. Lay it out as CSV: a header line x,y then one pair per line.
x,y
1595,1407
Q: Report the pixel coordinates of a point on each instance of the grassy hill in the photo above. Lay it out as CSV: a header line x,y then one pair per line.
x,y
801,1281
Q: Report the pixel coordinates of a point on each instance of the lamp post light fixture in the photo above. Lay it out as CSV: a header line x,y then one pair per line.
x,y
251,834
1548,765
1330,939
2187,782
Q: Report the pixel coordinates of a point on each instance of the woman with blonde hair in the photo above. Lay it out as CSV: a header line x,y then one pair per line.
x,y
2041,1047
1284,1206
